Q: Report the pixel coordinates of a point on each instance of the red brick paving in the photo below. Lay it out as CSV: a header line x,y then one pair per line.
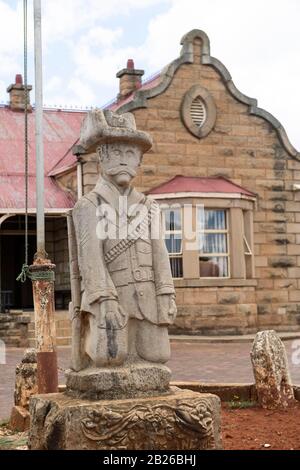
x,y
222,362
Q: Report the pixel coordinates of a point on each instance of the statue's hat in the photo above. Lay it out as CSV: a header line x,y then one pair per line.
x,y
103,127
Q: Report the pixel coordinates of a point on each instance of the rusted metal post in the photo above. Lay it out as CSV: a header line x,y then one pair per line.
x,y
42,270
42,275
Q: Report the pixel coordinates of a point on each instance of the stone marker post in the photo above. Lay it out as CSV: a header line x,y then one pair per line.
x,y
25,387
271,371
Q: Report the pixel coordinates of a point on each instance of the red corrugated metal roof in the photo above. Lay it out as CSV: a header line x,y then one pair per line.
x,y
61,130
190,184
12,194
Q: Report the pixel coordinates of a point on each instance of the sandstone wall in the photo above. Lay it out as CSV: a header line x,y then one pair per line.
x,y
14,329
61,255
58,252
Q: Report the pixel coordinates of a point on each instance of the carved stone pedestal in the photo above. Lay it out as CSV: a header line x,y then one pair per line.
x,y
182,420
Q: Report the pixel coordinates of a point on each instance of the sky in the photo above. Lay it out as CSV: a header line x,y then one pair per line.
x,y
86,42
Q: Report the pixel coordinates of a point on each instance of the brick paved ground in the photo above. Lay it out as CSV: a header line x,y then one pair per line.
x,y
202,362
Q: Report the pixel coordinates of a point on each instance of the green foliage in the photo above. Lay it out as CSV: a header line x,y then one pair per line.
x,y
236,403
12,442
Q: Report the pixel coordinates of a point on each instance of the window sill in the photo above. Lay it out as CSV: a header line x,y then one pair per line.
x,y
215,282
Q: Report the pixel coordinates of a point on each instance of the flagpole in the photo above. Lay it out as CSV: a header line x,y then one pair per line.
x,y
40,215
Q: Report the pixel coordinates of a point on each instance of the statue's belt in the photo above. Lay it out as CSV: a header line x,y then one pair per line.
x,y
142,274
123,245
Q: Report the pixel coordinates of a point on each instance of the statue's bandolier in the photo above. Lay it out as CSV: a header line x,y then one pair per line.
x,y
138,232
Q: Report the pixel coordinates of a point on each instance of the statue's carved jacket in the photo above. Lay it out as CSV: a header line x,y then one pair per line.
x,y
136,276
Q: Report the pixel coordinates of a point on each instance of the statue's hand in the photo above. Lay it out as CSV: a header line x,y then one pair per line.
x,y
167,309
112,315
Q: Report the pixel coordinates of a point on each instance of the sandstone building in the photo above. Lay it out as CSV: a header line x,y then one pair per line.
x,y
232,164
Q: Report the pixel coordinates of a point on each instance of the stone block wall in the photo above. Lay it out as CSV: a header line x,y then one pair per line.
x,y
14,329
68,182
57,249
215,310
90,172
49,237
61,255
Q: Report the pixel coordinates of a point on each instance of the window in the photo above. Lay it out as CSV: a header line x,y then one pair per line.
x,y
213,243
208,225
173,239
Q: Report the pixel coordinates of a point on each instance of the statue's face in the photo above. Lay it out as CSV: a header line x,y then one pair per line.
x,y
120,162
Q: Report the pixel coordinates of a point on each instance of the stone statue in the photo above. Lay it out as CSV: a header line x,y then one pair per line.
x,y
118,394
126,300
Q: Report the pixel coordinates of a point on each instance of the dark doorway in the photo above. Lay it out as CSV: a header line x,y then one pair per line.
x,y
15,294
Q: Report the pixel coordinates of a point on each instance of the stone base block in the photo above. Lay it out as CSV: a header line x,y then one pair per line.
x,y
131,380
182,420
19,419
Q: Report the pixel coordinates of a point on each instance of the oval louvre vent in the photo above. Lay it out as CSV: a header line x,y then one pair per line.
x,y
198,111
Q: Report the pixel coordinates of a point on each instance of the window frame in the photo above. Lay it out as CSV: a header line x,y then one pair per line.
x,y
225,231
239,212
173,255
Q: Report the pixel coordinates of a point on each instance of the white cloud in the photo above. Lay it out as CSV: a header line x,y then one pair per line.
x,y
70,93
11,29
94,53
257,41
84,95
63,19
53,84
100,37
10,43
2,86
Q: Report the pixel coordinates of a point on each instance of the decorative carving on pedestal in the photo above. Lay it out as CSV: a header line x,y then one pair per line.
x,y
182,420
185,426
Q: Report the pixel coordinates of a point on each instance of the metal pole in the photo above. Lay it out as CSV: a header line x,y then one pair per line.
x,y
79,180
40,216
42,271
